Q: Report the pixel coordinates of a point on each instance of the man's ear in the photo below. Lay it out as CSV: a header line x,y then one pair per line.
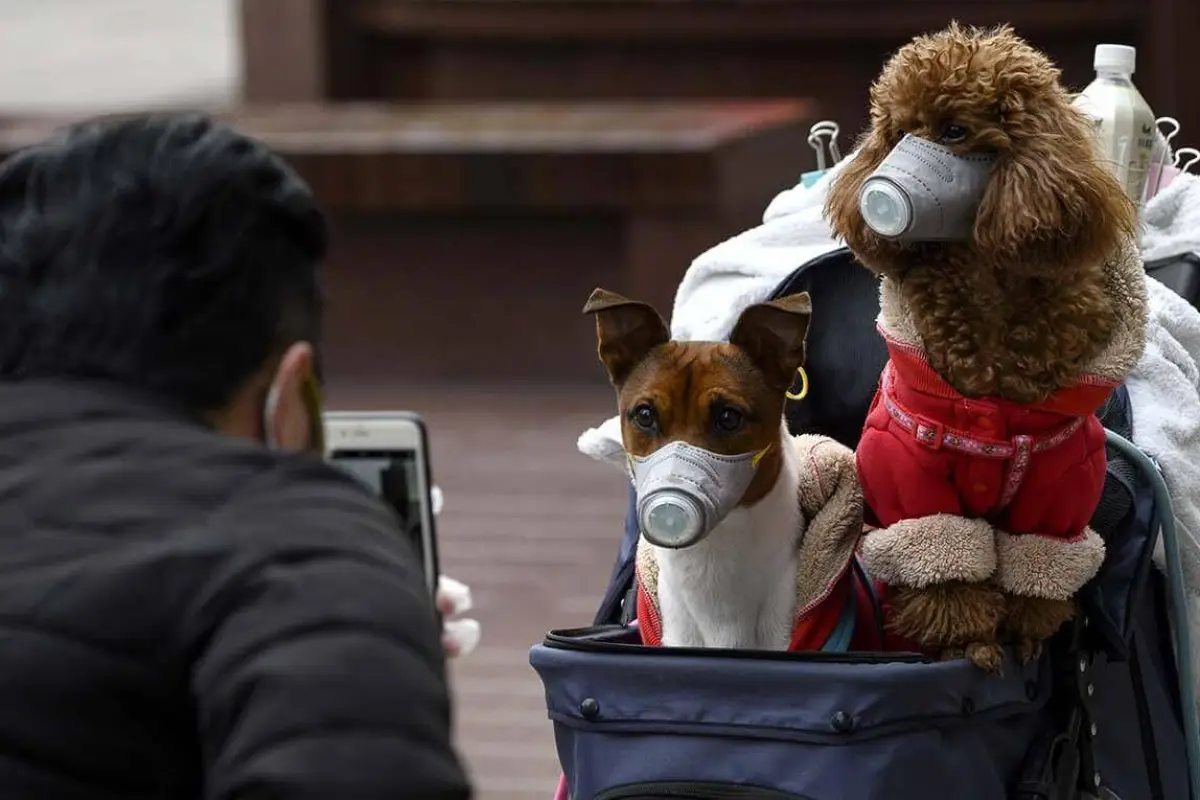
x,y
292,414
627,330
772,334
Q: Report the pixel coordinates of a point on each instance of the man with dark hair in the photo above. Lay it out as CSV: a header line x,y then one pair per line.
x,y
192,604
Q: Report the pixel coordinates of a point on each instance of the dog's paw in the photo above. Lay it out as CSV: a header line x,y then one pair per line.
x,y
953,654
947,614
988,656
1028,650
1036,618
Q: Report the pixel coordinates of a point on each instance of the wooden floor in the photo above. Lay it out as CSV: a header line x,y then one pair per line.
x,y
532,526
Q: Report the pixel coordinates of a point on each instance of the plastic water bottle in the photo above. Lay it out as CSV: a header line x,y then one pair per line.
x,y
1124,122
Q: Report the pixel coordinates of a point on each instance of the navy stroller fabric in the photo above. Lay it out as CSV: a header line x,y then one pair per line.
x,y
631,722
1097,716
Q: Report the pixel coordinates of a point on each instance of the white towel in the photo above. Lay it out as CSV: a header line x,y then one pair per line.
x,y
745,269
736,273
1171,220
1164,386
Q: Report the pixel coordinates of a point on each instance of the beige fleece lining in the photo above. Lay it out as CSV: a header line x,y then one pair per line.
x,y
894,315
647,569
831,501
929,550
1125,281
1053,569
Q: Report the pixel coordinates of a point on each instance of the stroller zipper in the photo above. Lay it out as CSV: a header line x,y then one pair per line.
x,y
593,640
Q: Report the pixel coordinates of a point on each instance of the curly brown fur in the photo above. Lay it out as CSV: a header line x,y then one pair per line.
x,y
1018,311
963,618
1029,621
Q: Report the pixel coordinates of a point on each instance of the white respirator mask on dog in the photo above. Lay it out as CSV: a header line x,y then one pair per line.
x,y
924,192
684,491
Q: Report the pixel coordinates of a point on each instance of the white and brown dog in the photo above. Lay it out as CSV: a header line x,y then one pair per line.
x,y
748,534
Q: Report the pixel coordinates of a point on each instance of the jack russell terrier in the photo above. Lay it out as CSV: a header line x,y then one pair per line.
x,y
748,534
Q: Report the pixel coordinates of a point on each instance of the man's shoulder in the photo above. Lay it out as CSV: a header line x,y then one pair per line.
x,y
234,503
298,502
225,483
294,531
226,506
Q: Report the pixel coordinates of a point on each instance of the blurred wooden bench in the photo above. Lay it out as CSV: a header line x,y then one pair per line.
x,y
828,50
466,238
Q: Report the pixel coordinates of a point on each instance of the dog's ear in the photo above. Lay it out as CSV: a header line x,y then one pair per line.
x,y
1050,200
627,329
773,334
841,204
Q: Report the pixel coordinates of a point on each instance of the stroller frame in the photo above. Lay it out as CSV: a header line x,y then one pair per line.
x,y
1163,521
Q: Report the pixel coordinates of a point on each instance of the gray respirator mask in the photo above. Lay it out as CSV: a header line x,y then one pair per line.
x,y
684,491
924,192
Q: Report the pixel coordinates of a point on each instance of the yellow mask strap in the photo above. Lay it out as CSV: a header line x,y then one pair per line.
x,y
311,392
803,393
759,455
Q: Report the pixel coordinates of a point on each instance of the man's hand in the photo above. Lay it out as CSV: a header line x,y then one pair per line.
x,y
459,636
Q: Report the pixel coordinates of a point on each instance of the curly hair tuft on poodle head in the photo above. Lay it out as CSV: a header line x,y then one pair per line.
x,y
1049,200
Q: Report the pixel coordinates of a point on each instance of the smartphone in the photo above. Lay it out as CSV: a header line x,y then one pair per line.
x,y
388,451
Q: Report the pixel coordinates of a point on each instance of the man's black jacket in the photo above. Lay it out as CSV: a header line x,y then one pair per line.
x,y
185,615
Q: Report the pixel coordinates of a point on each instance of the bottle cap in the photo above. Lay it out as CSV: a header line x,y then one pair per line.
x,y
1115,58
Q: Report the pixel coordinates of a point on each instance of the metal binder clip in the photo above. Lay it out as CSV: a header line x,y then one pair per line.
x,y
824,128
822,136
1191,162
1170,122
1157,169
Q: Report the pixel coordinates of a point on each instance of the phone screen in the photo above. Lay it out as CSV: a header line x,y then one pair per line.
x,y
394,475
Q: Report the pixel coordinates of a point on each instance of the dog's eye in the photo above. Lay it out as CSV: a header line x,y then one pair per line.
x,y
644,418
729,420
953,134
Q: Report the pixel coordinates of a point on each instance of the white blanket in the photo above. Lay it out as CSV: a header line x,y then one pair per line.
x,y
1164,387
1171,220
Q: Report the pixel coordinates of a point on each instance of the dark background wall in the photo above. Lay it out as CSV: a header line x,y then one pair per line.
x,y
497,280
825,50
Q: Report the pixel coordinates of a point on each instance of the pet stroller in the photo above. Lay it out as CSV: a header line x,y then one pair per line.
x,y
1107,711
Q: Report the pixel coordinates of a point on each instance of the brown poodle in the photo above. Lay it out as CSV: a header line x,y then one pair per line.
x,y
1046,294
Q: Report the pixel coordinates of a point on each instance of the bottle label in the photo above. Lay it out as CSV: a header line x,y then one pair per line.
x,y
1124,130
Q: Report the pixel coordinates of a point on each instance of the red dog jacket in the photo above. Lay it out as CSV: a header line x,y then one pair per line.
x,y
1027,469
